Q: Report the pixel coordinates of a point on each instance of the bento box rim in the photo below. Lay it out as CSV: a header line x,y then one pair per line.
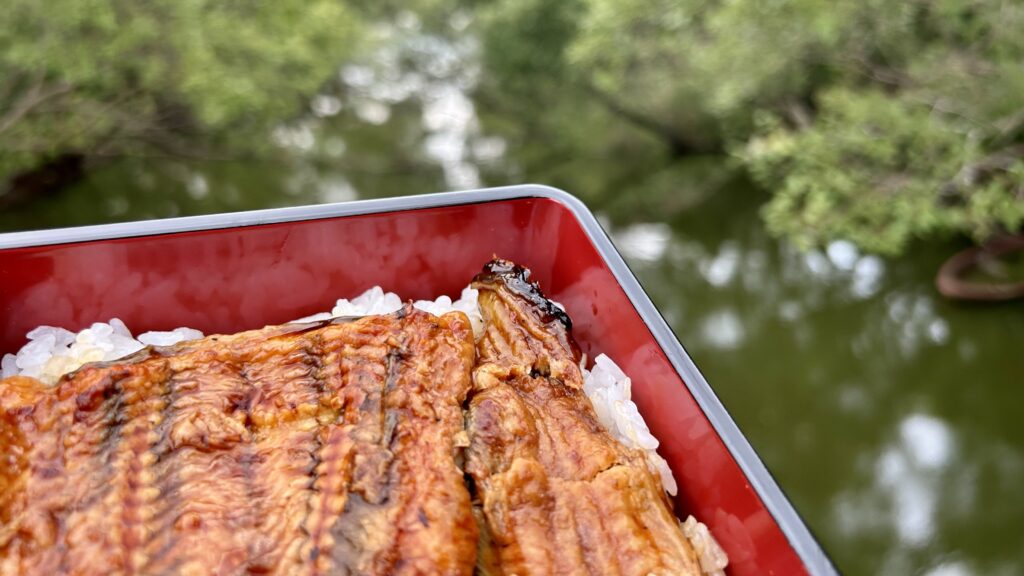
x,y
794,528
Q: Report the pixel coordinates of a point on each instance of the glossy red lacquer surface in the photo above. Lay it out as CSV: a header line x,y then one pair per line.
x,y
232,279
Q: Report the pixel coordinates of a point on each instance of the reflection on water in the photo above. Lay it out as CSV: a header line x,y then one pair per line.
x,y
722,329
906,493
887,414
644,241
890,417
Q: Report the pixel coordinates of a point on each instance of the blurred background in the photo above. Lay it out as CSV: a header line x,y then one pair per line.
x,y
786,178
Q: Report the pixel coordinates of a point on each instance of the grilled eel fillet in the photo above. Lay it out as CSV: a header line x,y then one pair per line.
x,y
299,449
557,494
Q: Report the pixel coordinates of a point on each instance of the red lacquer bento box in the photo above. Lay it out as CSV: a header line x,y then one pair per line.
x,y
229,272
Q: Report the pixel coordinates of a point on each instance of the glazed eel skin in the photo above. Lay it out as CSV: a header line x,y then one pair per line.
x,y
335,448
554,492
298,449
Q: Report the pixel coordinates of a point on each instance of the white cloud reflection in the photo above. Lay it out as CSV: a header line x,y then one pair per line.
x,y
451,118
373,112
721,269
198,187
336,189
907,477
817,264
438,73
952,568
867,276
298,136
911,486
645,241
843,254
324,105
723,329
928,440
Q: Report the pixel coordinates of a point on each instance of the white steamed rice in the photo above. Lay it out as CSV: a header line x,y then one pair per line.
x,y
376,301
53,352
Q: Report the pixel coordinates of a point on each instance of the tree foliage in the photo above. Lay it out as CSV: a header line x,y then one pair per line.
x,y
877,121
120,77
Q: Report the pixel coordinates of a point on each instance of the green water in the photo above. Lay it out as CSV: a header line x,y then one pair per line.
x,y
890,416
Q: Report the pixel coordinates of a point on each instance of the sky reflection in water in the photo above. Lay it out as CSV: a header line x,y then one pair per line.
x,y
881,409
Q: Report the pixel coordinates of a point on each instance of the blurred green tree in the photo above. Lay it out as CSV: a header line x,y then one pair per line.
x,y
876,121
93,78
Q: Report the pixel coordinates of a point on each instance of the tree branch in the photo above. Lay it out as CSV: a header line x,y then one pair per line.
x,y
680,146
1010,127
996,162
978,171
36,95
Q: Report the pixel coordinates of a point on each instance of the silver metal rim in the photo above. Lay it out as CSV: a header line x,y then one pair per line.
x,y
796,531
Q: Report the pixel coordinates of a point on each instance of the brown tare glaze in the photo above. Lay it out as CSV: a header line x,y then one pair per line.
x,y
301,449
516,280
557,494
